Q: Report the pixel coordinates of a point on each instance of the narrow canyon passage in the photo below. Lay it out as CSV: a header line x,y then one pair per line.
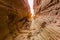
x,y
30,20
45,25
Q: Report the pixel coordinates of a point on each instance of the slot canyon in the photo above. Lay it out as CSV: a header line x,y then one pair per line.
x,y
20,21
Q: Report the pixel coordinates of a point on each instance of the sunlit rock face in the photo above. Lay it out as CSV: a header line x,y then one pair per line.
x,y
14,16
46,25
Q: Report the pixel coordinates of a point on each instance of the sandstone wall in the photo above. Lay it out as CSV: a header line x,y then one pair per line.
x,y
13,15
47,23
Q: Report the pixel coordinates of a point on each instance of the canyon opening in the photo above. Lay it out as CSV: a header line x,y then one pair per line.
x,y
31,6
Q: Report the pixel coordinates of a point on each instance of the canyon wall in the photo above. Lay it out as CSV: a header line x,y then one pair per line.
x,y
46,24
15,20
13,15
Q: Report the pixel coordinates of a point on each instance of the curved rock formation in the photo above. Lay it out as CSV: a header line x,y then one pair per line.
x,y
14,14
15,23
46,25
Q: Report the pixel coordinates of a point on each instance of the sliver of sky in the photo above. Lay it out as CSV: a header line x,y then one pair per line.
x,y
31,6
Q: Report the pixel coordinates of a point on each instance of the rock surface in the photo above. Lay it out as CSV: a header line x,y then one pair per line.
x,y
15,23
14,15
46,24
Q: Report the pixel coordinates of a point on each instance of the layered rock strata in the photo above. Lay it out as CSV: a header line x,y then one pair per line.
x,y
14,17
46,25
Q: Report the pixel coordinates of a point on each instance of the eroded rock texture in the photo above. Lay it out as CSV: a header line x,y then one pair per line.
x,y
15,25
14,16
46,25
